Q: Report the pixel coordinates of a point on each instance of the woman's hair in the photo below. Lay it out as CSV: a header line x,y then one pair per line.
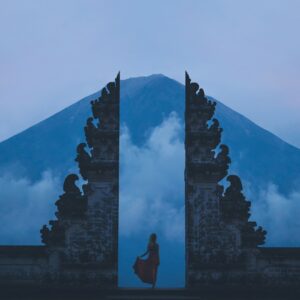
x,y
152,238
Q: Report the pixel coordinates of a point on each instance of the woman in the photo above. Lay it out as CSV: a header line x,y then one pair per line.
x,y
146,269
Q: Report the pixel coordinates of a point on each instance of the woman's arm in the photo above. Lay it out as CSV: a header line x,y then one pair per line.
x,y
145,252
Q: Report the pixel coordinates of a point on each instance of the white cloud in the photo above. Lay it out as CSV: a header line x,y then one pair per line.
x,y
152,182
151,195
279,214
25,207
151,191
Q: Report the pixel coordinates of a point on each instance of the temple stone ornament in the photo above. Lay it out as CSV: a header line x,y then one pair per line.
x,y
85,234
222,244
81,244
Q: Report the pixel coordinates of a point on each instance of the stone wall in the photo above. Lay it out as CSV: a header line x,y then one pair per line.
x,y
223,247
22,265
279,266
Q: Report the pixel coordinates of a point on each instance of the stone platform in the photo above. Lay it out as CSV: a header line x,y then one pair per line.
x,y
148,294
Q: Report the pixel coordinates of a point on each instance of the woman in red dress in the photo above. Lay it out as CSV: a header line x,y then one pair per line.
x,y
146,269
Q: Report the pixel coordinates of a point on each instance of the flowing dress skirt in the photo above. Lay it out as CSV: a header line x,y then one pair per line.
x,y
144,269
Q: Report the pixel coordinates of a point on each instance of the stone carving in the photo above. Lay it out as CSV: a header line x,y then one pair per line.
x,y
223,160
86,229
69,184
70,205
105,109
55,236
236,209
90,131
83,159
218,229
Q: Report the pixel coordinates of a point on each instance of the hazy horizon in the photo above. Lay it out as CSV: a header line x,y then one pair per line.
x,y
245,54
133,77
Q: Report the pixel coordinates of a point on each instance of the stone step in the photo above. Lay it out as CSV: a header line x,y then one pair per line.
x,y
151,297
157,294
147,294
156,297
185,294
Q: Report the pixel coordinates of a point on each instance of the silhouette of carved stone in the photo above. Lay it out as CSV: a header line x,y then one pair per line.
x,y
83,159
90,131
218,232
70,206
104,109
55,236
45,235
234,206
236,209
223,160
86,229
202,173
69,184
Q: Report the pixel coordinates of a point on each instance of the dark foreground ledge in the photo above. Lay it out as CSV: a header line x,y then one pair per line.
x,y
148,294
281,252
22,251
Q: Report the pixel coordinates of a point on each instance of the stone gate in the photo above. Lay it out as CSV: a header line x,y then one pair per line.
x,y
223,247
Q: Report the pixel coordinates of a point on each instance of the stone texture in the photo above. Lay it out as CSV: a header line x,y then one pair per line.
x,y
222,244
83,241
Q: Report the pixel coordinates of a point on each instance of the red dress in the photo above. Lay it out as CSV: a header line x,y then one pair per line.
x,y
146,269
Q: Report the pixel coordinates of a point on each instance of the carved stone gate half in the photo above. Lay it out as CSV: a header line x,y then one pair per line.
x,y
221,242
83,242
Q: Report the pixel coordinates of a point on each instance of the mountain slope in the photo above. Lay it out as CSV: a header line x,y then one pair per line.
x,y
258,156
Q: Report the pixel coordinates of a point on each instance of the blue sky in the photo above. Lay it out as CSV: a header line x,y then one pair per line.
x,y
244,53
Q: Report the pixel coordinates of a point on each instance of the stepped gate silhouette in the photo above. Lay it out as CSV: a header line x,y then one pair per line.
x,y
222,245
85,234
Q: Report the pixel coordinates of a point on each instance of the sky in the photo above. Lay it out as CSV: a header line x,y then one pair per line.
x,y
157,204
244,53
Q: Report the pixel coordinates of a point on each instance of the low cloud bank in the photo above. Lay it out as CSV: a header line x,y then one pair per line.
x,y
279,214
25,207
151,195
152,182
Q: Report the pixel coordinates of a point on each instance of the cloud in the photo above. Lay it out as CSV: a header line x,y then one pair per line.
x,y
25,207
152,182
151,195
151,191
279,215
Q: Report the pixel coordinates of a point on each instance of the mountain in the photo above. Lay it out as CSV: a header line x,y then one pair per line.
x,y
258,156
